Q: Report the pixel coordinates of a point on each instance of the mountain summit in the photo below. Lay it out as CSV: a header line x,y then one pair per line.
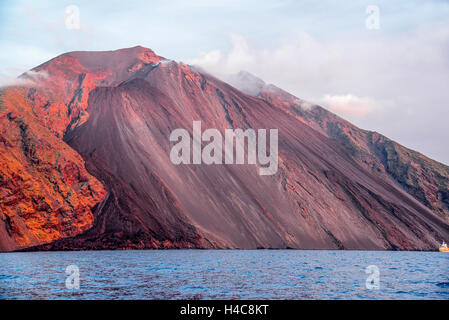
x,y
85,165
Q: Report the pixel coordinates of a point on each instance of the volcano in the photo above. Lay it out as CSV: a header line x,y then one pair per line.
x,y
85,164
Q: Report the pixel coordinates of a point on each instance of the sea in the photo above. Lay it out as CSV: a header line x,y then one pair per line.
x,y
224,274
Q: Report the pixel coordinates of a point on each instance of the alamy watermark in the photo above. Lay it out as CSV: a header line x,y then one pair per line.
x,y
372,282
372,21
72,17
73,277
212,153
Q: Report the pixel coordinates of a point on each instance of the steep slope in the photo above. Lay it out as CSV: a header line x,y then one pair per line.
x,y
323,196
425,179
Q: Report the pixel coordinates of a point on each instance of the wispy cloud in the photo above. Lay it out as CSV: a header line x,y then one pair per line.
x,y
29,78
351,106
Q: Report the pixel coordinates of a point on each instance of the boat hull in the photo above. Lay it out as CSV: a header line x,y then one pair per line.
x,y
444,249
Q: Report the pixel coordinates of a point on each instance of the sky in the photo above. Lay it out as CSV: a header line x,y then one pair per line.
x,y
385,70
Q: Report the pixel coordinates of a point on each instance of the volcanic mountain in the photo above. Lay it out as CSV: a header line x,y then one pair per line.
x,y
85,165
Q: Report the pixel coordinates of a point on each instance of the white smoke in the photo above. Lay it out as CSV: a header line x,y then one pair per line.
x,y
29,78
245,82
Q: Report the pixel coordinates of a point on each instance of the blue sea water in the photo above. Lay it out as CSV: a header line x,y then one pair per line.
x,y
224,274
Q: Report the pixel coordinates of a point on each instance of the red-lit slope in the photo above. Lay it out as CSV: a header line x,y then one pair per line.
x,y
59,89
46,193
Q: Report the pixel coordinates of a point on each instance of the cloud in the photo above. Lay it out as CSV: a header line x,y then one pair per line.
x,y
208,60
28,78
239,58
351,106
393,83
